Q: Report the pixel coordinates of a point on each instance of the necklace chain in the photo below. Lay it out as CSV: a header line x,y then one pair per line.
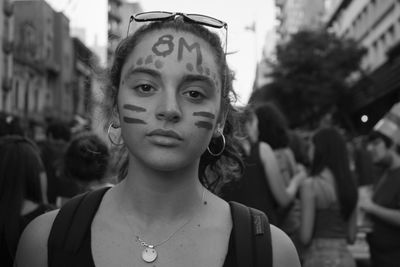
x,y
145,244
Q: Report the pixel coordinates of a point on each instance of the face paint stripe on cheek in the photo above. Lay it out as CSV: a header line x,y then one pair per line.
x,y
204,124
133,120
204,114
134,108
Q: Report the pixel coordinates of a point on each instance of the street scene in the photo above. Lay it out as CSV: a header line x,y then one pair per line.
x,y
218,133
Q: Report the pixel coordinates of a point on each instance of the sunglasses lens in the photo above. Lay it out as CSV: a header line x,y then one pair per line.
x,y
209,21
151,16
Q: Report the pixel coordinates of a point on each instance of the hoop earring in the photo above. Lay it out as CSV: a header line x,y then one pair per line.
x,y
109,135
222,150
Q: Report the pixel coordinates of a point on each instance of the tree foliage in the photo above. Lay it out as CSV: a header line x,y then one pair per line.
x,y
310,74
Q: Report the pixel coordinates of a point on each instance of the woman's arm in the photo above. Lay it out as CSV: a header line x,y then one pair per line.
x,y
283,195
273,175
391,216
307,203
352,227
284,253
32,246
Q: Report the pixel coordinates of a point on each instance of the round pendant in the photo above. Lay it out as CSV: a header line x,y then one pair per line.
x,y
149,255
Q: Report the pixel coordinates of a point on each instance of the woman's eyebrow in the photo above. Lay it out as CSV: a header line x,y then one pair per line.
x,y
198,78
141,70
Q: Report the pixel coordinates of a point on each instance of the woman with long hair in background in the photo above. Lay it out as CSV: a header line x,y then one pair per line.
x,y
21,196
328,201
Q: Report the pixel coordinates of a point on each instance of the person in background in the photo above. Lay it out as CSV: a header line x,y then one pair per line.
x,y
52,152
169,99
328,201
262,185
274,130
86,161
10,125
21,195
382,205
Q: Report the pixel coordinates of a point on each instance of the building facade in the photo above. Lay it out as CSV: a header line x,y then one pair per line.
x,y
6,50
35,68
43,64
63,97
114,27
82,87
375,25
294,15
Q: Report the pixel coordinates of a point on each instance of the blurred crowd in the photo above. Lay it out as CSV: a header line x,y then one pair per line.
x,y
323,187
39,173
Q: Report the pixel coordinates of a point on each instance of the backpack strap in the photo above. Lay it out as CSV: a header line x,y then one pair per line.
x,y
252,236
242,231
262,238
71,225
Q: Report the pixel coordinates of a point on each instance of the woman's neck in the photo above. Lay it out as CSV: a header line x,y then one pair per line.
x,y
155,195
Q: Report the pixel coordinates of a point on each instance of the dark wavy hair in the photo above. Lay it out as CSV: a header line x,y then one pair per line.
x,y
212,170
272,126
86,158
20,168
330,152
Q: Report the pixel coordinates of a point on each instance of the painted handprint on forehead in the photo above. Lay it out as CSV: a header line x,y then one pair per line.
x,y
148,60
159,64
135,108
204,124
164,46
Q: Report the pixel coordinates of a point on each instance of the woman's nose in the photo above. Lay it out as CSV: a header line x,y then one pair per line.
x,y
168,108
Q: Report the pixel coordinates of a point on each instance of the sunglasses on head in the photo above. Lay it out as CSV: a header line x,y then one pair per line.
x,y
189,18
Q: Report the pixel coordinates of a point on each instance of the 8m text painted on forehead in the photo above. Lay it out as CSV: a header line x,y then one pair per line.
x,y
165,46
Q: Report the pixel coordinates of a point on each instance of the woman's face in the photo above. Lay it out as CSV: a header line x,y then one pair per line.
x,y
169,100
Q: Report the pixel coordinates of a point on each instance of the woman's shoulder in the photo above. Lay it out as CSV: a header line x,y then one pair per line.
x,y
32,246
283,251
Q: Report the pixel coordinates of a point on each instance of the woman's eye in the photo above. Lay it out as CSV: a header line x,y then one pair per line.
x,y
195,95
144,88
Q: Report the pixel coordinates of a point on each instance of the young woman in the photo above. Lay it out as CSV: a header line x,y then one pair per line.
x,y
21,196
274,131
169,97
328,201
262,185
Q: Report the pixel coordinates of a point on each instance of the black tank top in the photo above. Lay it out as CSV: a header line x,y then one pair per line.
x,y
83,256
253,189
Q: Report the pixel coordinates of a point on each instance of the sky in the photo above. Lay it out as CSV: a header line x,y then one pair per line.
x,y
240,15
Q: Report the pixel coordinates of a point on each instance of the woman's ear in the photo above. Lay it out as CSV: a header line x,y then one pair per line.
x,y
219,130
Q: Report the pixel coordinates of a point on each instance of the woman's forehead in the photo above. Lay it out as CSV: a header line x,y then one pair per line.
x,y
166,49
180,45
